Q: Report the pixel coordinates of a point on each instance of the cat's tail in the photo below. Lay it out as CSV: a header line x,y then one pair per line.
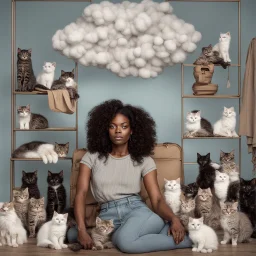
x,y
76,247
39,87
44,243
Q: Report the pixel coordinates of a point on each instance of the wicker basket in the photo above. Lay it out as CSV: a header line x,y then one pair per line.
x,y
209,89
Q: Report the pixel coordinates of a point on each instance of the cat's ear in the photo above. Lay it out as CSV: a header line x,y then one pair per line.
x,y
165,180
73,71
61,173
23,173
19,50
222,153
26,190
228,33
178,180
30,50
35,173
253,182
208,156
225,109
49,173
42,200
56,144
190,219
235,205
32,199
209,191
15,192
54,64
198,113
65,216
232,109
222,204
232,153
210,46
198,155
98,220
62,72
55,214
67,145
188,113
201,219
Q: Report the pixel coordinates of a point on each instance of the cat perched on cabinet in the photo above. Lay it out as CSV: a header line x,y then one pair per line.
x,y
30,120
46,77
25,74
29,180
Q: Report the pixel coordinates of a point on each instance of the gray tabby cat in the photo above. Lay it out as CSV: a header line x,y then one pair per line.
x,y
236,225
30,120
36,215
227,161
21,201
25,74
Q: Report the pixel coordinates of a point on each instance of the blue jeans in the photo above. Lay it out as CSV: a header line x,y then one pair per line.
x,y
137,228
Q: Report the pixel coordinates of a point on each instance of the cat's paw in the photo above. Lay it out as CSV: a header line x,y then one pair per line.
x,y
223,242
57,247
209,250
99,247
15,245
108,245
94,248
234,243
204,251
64,246
32,235
194,249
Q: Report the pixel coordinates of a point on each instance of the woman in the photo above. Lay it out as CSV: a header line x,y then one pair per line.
x,y
120,140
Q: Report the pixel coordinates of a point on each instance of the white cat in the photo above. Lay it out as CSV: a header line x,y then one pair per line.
x,y
52,234
203,237
223,46
46,77
227,124
172,194
221,184
12,231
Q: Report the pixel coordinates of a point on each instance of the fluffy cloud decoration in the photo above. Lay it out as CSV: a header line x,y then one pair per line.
x,y
137,39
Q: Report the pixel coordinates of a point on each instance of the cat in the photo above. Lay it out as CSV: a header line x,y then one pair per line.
x,y
20,202
227,124
28,120
234,186
190,190
52,233
29,180
56,194
203,237
197,126
223,46
227,161
221,185
206,176
37,149
12,231
61,149
25,74
172,192
46,77
236,225
36,215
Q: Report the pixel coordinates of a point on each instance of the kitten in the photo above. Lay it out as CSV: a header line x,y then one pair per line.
x,y
236,225
56,194
21,201
206,176
28,120
227,161
52,234
36,215
25,74
46,77
223,46
234,186
203,237
197,126
61,149
227,124
190,190
29,180
37,149
172,192
221,185
101,234
12,230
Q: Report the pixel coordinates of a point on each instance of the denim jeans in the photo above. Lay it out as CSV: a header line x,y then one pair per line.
x,y
137,228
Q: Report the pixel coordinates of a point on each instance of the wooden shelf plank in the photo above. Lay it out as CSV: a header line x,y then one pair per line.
x,y
188,163
212,96
31,93
47,129
217,65
88,1
202,1
214,138
37,159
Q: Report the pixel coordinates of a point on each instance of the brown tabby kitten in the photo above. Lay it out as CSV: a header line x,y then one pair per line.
x,y
25,74
61,149
36,215
227,161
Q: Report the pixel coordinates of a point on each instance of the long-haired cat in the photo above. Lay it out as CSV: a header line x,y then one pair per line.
x,y
172,192
25,74
28,120
203,237
46,77
223,46
236,225
227,124
197,126
37,149
52,233
61,149
56,195
227,161
221,185
29,180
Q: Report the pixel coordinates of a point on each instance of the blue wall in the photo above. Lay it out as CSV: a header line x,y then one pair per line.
x,y
36,24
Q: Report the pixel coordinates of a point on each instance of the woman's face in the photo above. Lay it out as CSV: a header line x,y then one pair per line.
x,y
119,130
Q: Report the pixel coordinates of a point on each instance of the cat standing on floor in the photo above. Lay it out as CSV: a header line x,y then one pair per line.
x,y
203,237
227,124
29,180
223,46
172,192
221,185
46,77
197,126
52,234
28,120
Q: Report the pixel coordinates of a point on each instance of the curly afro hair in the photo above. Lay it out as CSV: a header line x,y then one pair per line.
x,y
142,125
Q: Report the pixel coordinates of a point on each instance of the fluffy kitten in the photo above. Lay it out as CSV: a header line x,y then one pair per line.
x,y
227,124
52,234
28,120
203,237
221,185
12,230
29,180
36,215
172,192
236,225
223,46
46,77
227,161
61,149
190,190
197,125
37,149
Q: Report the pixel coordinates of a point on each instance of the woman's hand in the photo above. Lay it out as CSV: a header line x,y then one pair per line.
x,y
85,239
177,230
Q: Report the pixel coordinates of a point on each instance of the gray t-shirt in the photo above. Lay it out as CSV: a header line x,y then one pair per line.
x,y
118,177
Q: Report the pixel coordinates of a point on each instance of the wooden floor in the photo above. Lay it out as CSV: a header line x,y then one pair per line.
x,y
30,249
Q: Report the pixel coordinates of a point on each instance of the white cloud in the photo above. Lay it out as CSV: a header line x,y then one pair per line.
x,y
137,39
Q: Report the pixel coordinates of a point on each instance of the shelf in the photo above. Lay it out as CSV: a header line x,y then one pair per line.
x,y
88,1
216,138
188,163
199,1
31,93
212,96
37,159
217,65
47,129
